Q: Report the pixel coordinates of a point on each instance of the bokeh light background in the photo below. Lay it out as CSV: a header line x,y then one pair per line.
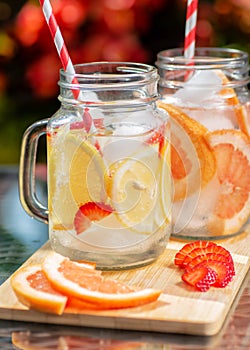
x,y
94,30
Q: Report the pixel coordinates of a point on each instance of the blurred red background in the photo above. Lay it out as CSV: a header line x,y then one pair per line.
x,y
94,30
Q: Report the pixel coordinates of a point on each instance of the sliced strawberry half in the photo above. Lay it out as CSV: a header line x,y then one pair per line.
x,y
206,264
201,277
214,257
88,212
187,248
223,272
204,251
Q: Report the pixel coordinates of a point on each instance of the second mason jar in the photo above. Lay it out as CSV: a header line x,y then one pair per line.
x,y
207,98
109,181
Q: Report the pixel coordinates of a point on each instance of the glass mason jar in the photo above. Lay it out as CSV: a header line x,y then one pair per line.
x,y
108,164
207,99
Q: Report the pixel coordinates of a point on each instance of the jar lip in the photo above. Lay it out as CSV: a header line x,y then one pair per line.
x,y
111,82
205,58
117,71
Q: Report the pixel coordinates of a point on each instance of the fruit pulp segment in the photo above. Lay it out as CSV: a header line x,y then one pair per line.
x,y
116,196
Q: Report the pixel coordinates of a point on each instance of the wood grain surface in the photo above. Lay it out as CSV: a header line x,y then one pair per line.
x,y
179,309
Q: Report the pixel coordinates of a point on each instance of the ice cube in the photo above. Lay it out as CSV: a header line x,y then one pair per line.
x,y
109,233
127,140
214,118
202,100
202,86
129,130
192,214
91,96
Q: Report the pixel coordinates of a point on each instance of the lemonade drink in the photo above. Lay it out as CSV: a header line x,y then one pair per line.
x,y
110,203
208,102
109,183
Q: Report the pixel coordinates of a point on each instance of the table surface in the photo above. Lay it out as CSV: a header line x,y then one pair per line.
x,y
21,236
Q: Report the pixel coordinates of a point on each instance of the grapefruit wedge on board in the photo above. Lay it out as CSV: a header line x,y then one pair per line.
x,y
71,279
60,285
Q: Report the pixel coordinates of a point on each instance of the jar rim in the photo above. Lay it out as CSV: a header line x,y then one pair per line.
x,y
108,80
110,71
204,57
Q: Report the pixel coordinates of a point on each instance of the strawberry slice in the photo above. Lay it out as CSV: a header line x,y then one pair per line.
x,y
224,275
187,248
214,257
88,212
86,121
157,137
201,277
205,250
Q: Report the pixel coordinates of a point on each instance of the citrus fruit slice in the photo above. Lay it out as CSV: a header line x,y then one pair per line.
x,y
34,290
232,209
192,161
133,187
241,112
74,279
243,116
163,213
86,174
76,171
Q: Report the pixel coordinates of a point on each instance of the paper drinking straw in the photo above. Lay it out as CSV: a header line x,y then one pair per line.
x,y
190,29
64,57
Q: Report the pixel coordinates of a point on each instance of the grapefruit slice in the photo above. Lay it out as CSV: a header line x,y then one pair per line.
x,y
232,209
74,279
243,116
33,289
192,161
241,112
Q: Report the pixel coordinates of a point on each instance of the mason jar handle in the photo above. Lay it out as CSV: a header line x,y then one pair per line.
x,y
27,183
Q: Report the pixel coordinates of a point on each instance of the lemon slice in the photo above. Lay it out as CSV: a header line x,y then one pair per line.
x,y
76,171
166,185
134,189
87,171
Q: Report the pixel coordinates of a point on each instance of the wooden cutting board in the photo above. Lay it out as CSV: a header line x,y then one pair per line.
x,y
179,309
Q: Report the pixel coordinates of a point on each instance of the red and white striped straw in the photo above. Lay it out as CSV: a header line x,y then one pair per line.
x,y
64,57
190,29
